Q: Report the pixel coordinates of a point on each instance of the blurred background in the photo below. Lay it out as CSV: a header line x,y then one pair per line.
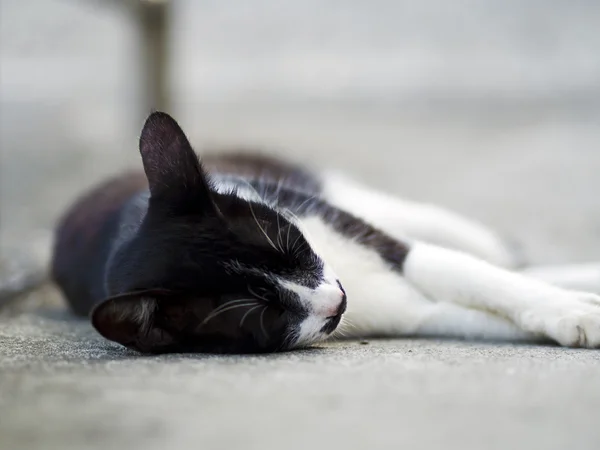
x,y
490,108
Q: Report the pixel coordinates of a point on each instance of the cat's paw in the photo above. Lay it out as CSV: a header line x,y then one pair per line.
x,y
570,318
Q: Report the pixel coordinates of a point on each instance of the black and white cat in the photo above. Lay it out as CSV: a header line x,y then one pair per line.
x,y
242,253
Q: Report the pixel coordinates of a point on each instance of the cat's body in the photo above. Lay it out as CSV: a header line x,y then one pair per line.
x,y
253,264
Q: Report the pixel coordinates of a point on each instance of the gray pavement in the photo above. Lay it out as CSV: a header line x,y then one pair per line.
x,y
64,388
489,108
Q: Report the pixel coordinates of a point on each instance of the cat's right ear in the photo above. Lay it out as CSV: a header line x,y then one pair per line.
x,y
129,319
172,168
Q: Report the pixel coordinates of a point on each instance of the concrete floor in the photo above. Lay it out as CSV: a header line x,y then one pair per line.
x,y
505,129
64,388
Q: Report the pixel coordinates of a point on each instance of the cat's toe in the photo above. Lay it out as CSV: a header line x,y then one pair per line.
x,y
581,330
571,321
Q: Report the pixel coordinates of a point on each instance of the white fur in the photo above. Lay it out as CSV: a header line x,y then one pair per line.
x,y
404,220
444,292
378,299
567,317
381,301
310,331
322,303
324,300
224,184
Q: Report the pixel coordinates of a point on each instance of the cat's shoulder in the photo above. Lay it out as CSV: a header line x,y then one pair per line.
x,y
260,166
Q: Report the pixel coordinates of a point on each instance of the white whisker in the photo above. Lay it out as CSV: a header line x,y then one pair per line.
x,y
213,315
295,242
262,324
341,332
312,197
231,302
256,295
247,314
287,239
261,229
279,240
297,250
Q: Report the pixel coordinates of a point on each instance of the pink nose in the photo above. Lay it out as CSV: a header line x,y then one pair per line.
x,y
340,308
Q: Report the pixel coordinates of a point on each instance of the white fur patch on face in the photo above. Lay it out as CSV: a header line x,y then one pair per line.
x,y
322,303
310,331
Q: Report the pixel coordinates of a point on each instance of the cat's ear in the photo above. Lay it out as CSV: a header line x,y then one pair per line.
x,y
173,169
130,320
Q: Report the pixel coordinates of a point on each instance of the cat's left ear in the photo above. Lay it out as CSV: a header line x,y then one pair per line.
x,y
173,169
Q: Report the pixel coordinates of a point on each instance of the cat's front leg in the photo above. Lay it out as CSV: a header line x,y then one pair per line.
x,y
568,317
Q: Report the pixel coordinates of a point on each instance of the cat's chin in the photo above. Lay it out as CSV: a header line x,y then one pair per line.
x,y
315,329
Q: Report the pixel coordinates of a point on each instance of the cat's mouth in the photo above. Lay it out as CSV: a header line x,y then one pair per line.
x,y
331,324
333,321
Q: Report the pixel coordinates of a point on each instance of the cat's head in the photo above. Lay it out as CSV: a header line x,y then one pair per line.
x,y
211,271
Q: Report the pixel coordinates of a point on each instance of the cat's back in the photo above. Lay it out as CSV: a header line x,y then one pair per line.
x,y
83,237
258,168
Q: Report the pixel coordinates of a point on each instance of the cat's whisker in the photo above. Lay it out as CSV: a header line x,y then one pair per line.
x,y
253,189
231,302
297,250
279,239
293,218
334,337
213,314
257,295
293,250
290,215
246,314
342,331
264,198
262,322
261,228
299,207
287,239
346,327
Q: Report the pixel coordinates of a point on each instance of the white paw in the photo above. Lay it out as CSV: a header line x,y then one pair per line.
x,y
570,318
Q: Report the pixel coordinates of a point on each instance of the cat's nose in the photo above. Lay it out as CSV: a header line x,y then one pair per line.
x,y
343,304
333,320
329,300
340,308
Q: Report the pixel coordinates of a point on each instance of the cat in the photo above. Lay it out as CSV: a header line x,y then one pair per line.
x,y
242,253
